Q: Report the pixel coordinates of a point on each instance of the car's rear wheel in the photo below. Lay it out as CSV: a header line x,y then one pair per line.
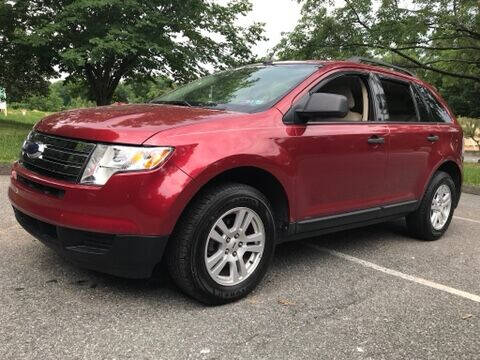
x,y
223,244
432,218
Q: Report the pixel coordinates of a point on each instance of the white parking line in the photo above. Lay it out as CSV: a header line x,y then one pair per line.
x,y
398,274
466,219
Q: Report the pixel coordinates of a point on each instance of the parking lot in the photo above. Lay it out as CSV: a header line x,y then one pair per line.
x,y
370,293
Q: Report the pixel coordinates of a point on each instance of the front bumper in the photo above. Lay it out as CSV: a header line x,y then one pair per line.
x,y
121,255
145,204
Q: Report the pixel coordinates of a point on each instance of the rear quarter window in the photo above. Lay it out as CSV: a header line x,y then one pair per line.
x,y
437,112
423,109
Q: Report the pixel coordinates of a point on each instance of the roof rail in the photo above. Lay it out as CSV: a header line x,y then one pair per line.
x,y
359,59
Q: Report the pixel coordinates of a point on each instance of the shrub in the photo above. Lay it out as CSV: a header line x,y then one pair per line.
x,y
471,129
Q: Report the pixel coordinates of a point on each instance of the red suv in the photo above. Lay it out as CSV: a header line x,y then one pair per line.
x,y
211,176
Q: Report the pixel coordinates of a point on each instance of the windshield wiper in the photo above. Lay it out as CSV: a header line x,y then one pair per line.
x,y
205,104
173,102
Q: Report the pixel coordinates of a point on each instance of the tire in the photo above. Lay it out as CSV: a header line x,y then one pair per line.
x,y
420,222
196,242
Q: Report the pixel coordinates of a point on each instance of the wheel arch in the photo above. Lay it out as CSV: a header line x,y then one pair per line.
x,y
259,178
454,170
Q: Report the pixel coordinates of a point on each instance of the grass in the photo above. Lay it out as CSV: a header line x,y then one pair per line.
x,y
13,129
471,174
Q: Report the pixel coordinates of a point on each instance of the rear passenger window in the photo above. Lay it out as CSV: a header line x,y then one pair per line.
x,y
437,111
401,107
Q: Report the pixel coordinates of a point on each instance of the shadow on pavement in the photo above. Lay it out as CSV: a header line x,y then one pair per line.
x,y
288,256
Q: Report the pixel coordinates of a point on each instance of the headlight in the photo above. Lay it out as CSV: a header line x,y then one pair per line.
x,y
107,160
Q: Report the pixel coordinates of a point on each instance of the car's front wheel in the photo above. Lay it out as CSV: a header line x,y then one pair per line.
x,y
433,216
223,244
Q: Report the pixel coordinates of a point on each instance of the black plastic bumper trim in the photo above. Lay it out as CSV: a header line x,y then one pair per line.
x,y
128,256
349,220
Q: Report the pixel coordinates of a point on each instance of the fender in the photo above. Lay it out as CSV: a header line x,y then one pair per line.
x,y
202,178
449,159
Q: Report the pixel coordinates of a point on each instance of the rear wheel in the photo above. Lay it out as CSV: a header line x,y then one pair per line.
x,y
223,244
432,218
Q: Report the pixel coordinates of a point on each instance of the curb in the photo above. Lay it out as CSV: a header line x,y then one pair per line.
x,y
5,169
469,189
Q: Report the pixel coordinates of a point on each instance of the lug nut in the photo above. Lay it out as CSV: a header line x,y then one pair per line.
x,y
237,236
226,251
234,253
240,243
227,239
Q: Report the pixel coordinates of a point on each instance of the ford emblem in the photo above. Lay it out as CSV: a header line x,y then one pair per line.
x,y
33,150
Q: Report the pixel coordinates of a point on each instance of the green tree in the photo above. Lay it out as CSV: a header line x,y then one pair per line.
x,y
22,70
104,41
438,38
142,90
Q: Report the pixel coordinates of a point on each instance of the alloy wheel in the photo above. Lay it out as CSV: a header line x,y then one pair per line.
x,y
441,206
234,246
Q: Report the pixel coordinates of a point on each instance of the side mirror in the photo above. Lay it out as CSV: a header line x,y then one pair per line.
x,y
322,105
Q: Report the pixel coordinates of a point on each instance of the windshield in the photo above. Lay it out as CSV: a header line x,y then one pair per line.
x,y
247,89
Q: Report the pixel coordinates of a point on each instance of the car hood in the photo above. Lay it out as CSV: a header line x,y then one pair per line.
x,y
126,124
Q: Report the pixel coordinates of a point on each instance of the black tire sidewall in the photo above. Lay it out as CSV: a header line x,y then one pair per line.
x,y
245,198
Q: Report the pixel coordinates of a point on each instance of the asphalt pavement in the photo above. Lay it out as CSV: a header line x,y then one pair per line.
x,y
369,293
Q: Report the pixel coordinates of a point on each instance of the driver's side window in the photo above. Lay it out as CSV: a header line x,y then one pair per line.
x,y
355,89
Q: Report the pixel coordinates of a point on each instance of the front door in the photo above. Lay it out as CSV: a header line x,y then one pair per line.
x,y
341,162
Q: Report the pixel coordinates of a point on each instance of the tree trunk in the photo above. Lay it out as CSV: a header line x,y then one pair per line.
x,y
102,88
103,91
102,99
104,82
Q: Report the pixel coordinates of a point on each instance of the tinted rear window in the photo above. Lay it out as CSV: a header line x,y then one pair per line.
x,y
437,112
401,107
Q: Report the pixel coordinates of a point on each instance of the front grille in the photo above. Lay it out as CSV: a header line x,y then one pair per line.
x,y
47,190
62,158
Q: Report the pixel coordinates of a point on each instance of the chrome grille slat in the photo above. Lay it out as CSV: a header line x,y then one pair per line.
x,y
62,158
43,167
46,172
76,146
54,163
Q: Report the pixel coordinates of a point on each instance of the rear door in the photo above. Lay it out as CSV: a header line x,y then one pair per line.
x,y
449,137
414,140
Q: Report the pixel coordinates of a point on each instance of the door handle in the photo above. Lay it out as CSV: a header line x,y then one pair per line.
x,y
432,138
375,139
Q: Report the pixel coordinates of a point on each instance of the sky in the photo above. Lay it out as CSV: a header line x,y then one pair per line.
x,y
278,15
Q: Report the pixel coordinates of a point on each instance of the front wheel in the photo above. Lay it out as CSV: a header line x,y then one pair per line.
x,y
432,218
223,244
